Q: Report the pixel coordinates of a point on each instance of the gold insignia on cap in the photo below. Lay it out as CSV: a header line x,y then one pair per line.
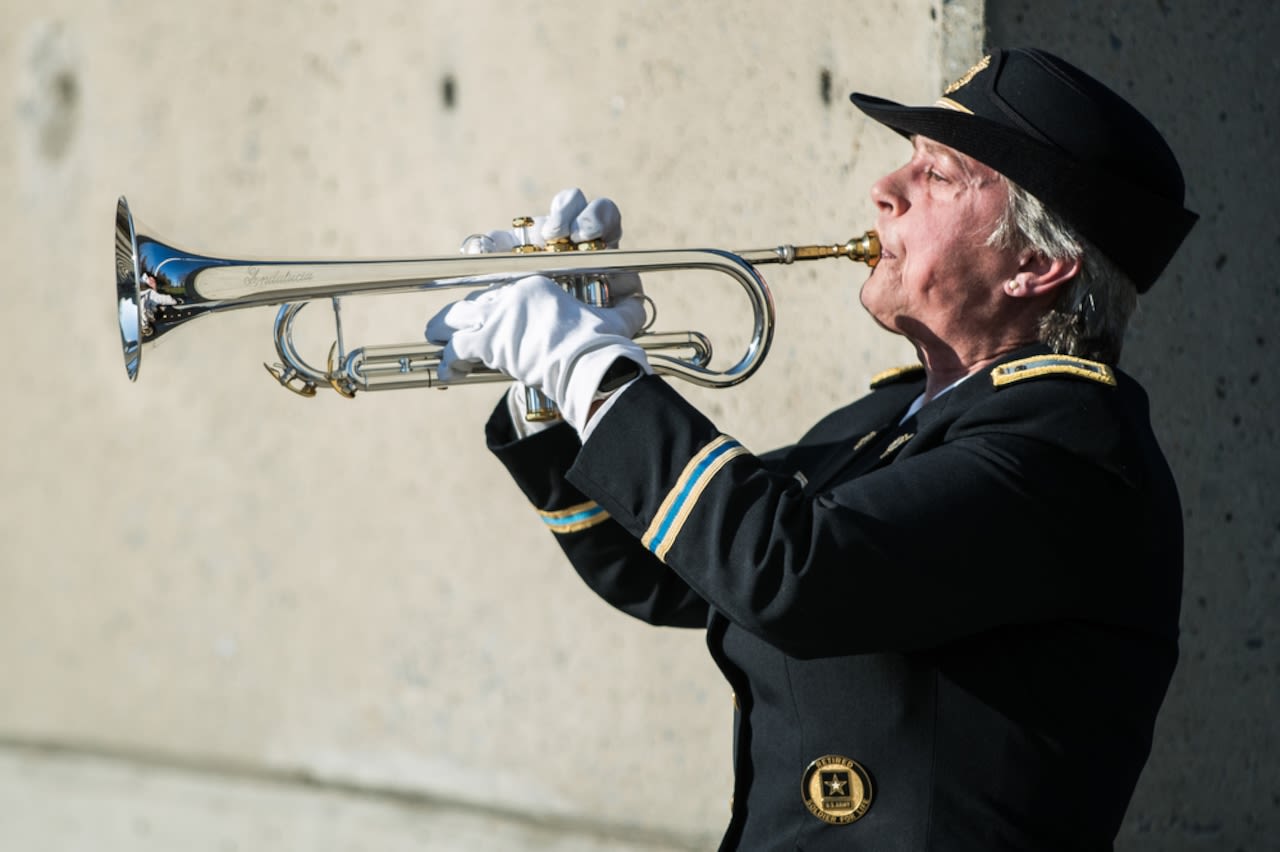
x,y
836,789
968,75
947,103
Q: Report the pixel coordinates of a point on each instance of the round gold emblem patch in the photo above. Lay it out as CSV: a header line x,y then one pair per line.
x,y
836,789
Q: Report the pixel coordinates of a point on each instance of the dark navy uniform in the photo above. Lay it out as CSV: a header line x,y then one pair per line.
x,y
949,633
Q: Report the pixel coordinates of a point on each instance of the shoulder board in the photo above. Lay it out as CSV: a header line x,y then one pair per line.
x,y
1052,365
897,374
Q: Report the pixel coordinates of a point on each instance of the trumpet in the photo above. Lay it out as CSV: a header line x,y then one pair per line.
x,y
160,287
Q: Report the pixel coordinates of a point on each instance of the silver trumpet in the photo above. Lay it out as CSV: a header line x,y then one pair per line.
x,y
160,287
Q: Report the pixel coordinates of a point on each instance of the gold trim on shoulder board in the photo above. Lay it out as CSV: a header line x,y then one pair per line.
x,y
894,374
1052,365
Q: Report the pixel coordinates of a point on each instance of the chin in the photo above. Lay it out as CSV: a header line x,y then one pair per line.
x,y
871,294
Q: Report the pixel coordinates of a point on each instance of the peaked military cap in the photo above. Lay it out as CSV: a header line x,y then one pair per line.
x,y
1081,149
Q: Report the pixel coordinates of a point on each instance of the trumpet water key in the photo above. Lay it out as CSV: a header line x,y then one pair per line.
x,y
160,287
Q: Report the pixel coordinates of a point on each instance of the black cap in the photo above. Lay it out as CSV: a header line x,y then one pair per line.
x,y
1070,141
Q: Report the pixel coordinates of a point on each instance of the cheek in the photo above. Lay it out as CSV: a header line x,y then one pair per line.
x,y
918,275
940,272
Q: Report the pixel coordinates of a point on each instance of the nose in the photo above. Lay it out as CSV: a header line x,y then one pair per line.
x,y
887,195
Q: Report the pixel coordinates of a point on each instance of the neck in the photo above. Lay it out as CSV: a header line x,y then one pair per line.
x,y
946,367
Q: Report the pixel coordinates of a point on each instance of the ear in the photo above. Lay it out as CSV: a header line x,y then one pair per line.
x,y
1038,275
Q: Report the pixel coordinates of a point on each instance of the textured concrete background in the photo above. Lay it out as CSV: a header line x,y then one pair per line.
x,y
205,575
234,619
1205,344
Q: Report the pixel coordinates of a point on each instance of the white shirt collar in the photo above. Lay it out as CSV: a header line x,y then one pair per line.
x,y
918,402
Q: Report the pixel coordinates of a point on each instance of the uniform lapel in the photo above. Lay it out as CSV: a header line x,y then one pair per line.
x,y
866,451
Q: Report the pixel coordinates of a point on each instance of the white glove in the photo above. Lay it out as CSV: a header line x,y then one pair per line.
x,y
539,335
570,216
573,216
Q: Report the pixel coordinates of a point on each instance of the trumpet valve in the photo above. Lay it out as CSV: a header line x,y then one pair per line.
x,y
522,224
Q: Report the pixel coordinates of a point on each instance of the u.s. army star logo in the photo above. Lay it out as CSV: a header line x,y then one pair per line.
x,y
836,789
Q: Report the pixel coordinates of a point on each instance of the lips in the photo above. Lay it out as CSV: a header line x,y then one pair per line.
x,y
885,252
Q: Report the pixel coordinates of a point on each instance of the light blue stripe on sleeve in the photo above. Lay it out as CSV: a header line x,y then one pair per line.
x,y
682,498
575,518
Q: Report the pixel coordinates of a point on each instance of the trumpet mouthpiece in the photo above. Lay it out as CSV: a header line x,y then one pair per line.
x,y
864,249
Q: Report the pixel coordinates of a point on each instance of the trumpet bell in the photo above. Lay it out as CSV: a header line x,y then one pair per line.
x,y
155,287
128,297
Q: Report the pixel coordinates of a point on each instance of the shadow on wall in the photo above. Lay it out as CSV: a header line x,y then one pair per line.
x,y
1201,343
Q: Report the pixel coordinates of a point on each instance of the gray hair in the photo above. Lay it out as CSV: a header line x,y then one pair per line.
x,y
1091,313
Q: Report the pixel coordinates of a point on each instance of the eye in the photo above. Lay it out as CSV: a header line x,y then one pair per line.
x,y
933,175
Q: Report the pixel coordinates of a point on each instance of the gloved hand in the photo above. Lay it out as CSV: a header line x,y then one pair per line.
x,y
570,216
573,216
539,335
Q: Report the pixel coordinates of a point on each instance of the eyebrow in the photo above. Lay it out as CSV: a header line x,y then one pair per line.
x,y
937,149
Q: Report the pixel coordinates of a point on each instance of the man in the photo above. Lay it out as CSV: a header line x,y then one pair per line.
x,y
949,613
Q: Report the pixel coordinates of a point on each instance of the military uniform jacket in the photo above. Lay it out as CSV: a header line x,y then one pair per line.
x,y
952,633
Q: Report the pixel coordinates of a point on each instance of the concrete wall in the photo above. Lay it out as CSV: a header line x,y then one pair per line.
x,y
249,620
1204,343
231,618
